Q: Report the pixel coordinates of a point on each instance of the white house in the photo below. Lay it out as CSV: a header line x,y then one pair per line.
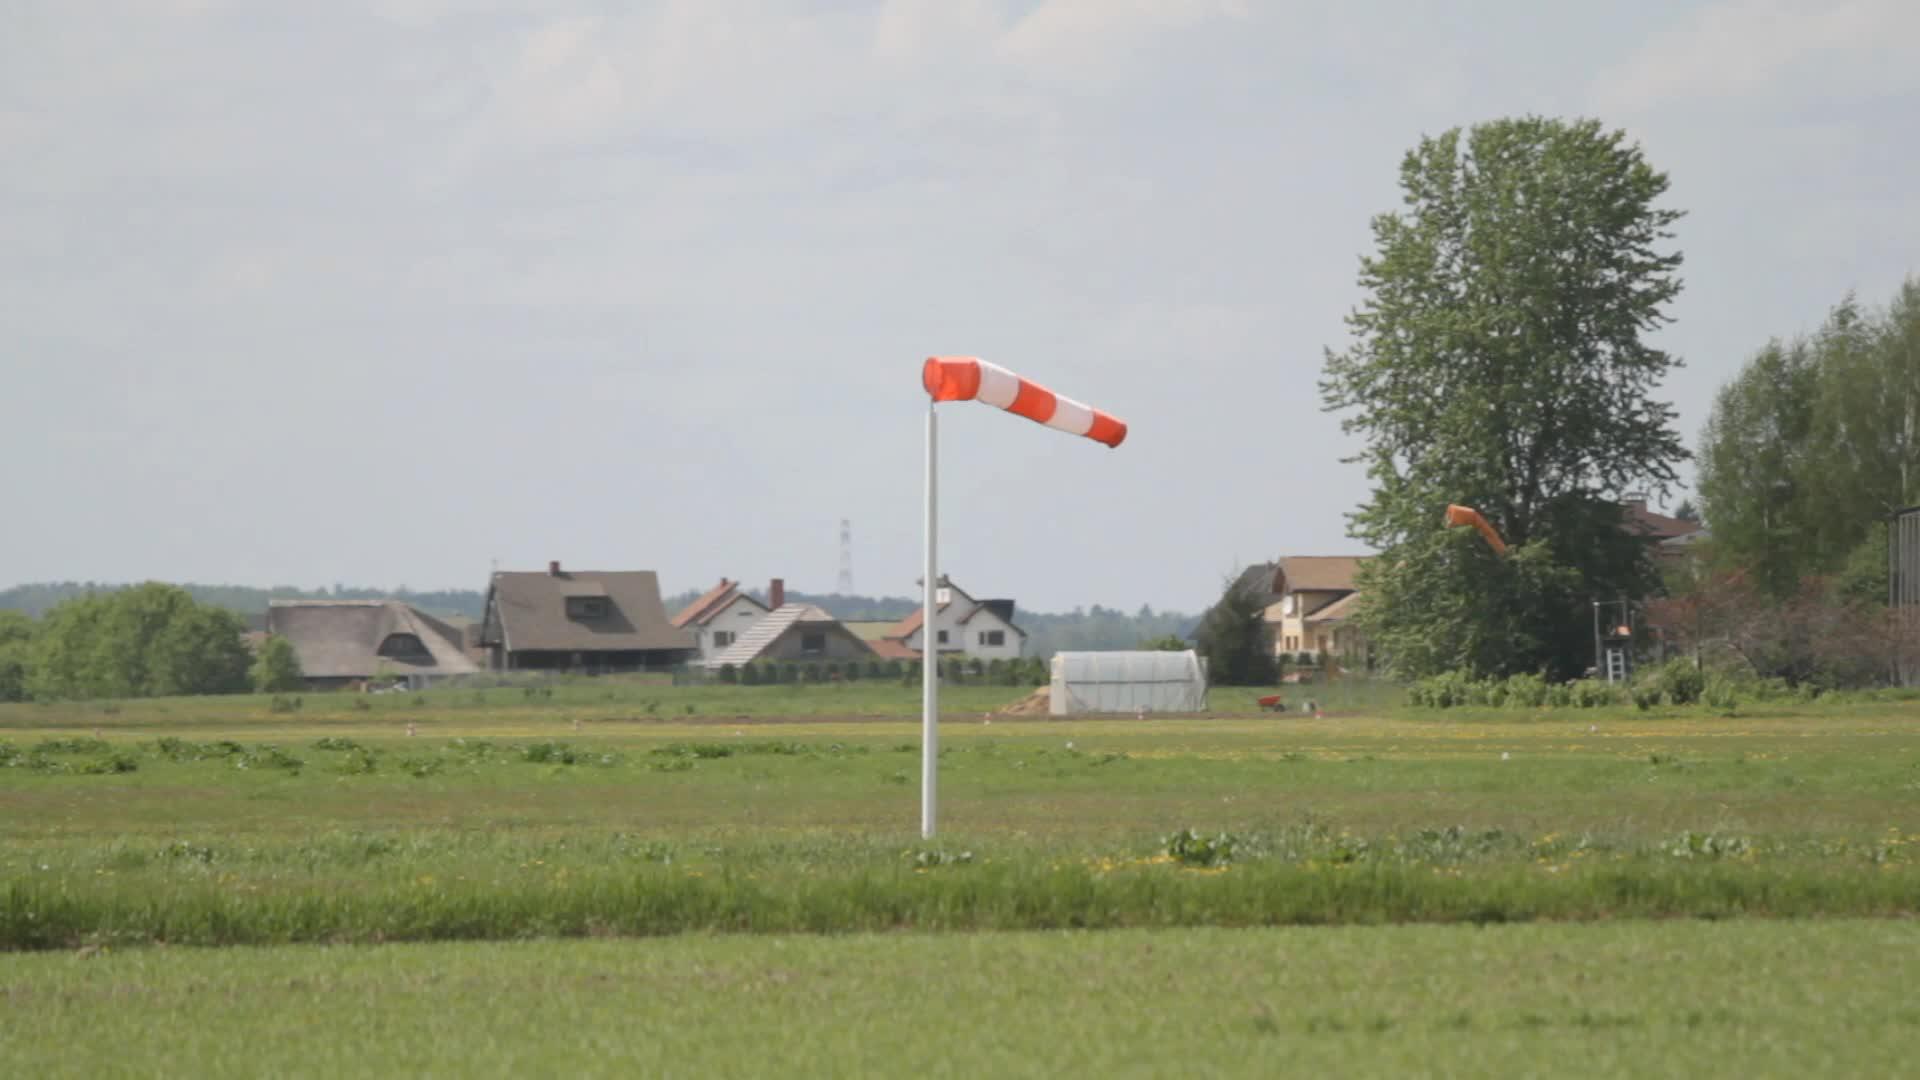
x,y
963,626
723,613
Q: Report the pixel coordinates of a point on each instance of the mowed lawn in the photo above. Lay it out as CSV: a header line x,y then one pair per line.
x,y
1687,999
261,826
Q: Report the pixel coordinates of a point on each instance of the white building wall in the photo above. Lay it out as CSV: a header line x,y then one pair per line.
x,y
963,633
984,624
736,618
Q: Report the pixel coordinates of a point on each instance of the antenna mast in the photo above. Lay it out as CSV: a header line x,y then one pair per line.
x,y
845,585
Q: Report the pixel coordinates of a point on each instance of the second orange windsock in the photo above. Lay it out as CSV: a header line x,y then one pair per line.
x,y
1465,515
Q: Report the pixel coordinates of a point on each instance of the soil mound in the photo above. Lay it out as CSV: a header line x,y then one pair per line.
x,y
1038,703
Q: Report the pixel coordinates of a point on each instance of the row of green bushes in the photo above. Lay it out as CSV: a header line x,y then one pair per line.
x,y
1678,682
1024,671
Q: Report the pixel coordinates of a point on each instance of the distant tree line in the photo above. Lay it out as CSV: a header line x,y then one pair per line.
x,y
1808,452
40,598
1812,446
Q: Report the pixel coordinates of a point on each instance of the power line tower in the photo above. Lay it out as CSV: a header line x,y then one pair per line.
x,y
845,585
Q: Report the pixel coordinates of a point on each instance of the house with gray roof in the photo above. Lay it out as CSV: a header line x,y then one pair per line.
x,y
343,643
592,621
798,632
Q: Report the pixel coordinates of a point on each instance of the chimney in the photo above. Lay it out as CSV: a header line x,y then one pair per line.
x,y
777,593
553,568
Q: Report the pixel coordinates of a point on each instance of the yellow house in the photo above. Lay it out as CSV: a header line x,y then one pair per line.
x,y
1317,595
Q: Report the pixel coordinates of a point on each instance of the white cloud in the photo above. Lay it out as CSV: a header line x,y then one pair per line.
x,y
1091,38
934,33
1739,48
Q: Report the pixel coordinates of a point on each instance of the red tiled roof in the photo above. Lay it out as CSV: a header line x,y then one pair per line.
x,y
1655,526
710,601
905,627
892,648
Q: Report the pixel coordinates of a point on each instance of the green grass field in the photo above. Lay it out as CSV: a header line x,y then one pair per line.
x,y
1682,999
724,831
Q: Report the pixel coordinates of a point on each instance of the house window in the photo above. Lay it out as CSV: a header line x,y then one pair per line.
x,y
586,607
993,637
943,637
722,638
404,647
813,642
943,596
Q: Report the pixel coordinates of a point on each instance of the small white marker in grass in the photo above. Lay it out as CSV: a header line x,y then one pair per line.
x,y
1504,755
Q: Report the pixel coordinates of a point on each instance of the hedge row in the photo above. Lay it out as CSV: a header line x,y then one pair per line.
x,y
1024,671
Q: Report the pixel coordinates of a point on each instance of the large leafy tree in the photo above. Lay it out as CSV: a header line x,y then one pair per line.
x,y
147,641
1500,360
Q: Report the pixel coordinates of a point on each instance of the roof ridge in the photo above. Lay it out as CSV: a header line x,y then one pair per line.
x,y
756,637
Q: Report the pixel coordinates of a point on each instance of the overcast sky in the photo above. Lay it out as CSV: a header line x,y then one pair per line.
x,y
385,291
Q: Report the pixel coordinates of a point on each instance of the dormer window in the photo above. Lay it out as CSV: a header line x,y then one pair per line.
x,y
943,596
404,647
586,607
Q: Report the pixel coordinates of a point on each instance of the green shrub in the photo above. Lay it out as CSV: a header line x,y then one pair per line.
x,y
1721,695
1594,694
729,674
1526,691
1447,690
1681,681
549,753
1192,849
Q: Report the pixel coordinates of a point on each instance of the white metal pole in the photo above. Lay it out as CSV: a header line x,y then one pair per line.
x,y
930,646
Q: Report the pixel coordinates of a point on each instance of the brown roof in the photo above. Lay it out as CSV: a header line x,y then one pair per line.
x,y
1337,610
892,648
532,611
1655,526
905,627
342,638
709,604
1317,573
778,623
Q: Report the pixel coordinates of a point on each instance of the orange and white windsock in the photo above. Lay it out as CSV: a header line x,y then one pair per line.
x,y
968,378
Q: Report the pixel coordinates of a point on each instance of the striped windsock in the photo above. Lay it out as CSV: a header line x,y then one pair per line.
x,y
968,378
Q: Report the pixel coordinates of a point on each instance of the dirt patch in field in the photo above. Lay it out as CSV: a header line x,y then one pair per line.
x,y
1038,703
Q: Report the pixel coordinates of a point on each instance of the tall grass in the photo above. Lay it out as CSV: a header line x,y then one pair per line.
x,y
452,886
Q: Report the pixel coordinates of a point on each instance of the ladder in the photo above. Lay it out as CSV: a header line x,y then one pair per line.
x,y
1616,664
